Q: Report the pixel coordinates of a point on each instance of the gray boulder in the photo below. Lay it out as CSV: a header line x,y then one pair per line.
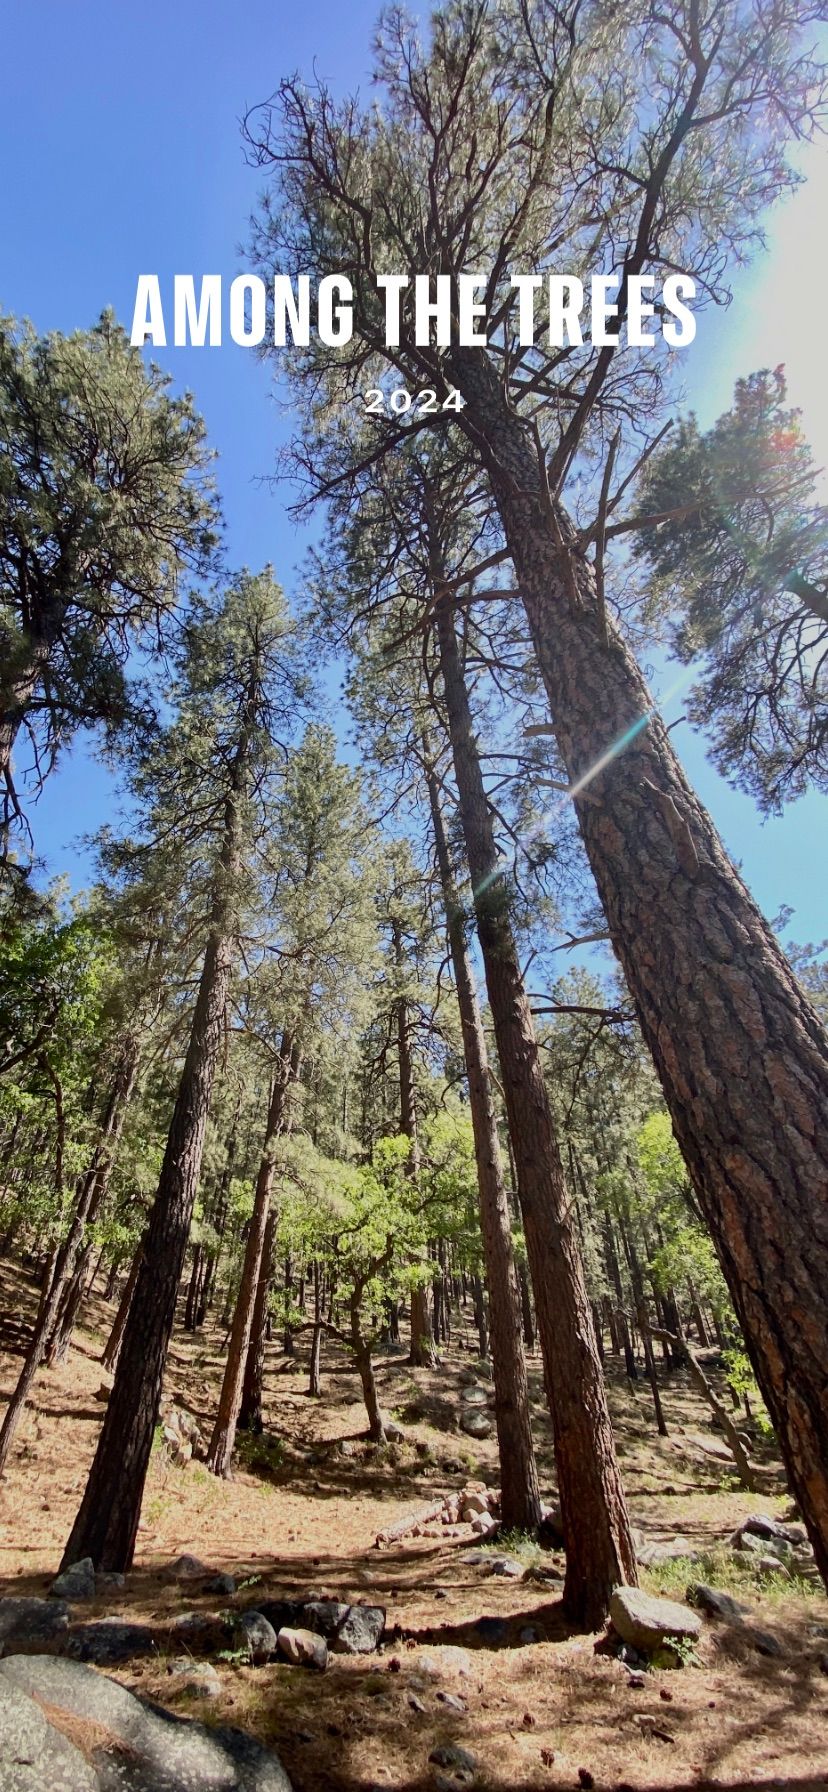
x,y
149,1750
647,1622
33,1755
475,1423
360,1630
108,1641
324,1616
76,1582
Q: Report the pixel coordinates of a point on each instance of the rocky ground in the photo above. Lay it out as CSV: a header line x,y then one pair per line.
x,y
266,1613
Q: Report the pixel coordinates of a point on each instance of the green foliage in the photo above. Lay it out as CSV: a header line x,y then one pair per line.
x,y
104,507
740,562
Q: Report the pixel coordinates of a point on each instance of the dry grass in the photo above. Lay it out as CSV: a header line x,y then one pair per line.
x,y
302,1518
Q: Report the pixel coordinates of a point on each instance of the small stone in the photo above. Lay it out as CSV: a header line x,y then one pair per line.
x,y
258,1635
715,1603
485,1525
772,1565
508,1568
473,1505
75,1582
304,1648
647,1622
452,1700
476,1424
202,1680
415,1703
223,1585
529,1634
109,1582
763,1641
585,1778
449,1754
185,1568
447,1658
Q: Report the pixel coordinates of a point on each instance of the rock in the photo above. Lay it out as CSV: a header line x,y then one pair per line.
x,y
763,1641
550,1529
679,1548
772,1565
34,1757
108,1641
476,1424
148,1750
475,1395
715,1603
753,1544
323,1616
508,1568
108,1582
452,1701
305,1648
485,1525
473,1505
449,1754
32,1626
394,1433
647,1622
491,1631
257,1635
446,1658
222,1584
529,1634
415,1703
360,1631
283,1614
185,1568
760,1524
75,1582
200,1679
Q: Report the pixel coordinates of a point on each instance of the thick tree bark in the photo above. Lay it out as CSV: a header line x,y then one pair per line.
x,y
107,1522
740,1052
223,1439
599,1546
519,1491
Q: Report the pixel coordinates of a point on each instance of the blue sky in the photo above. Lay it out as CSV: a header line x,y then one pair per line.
x,y
121,129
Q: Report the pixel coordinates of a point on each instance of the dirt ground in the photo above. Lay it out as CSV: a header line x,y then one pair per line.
x,y
300,1516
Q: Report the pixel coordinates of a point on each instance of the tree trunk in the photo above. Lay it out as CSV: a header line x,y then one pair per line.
x,y
740,1053
365,1365
480,1319
223,1439
57,1297
251,1413
314,1376
112,1348
107,1522
520,1493
599,1546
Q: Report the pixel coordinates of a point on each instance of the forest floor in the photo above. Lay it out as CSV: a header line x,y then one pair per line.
x,y
301,1514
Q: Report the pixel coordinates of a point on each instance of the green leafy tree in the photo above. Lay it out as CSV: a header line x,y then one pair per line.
x,y
737,553
104,505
